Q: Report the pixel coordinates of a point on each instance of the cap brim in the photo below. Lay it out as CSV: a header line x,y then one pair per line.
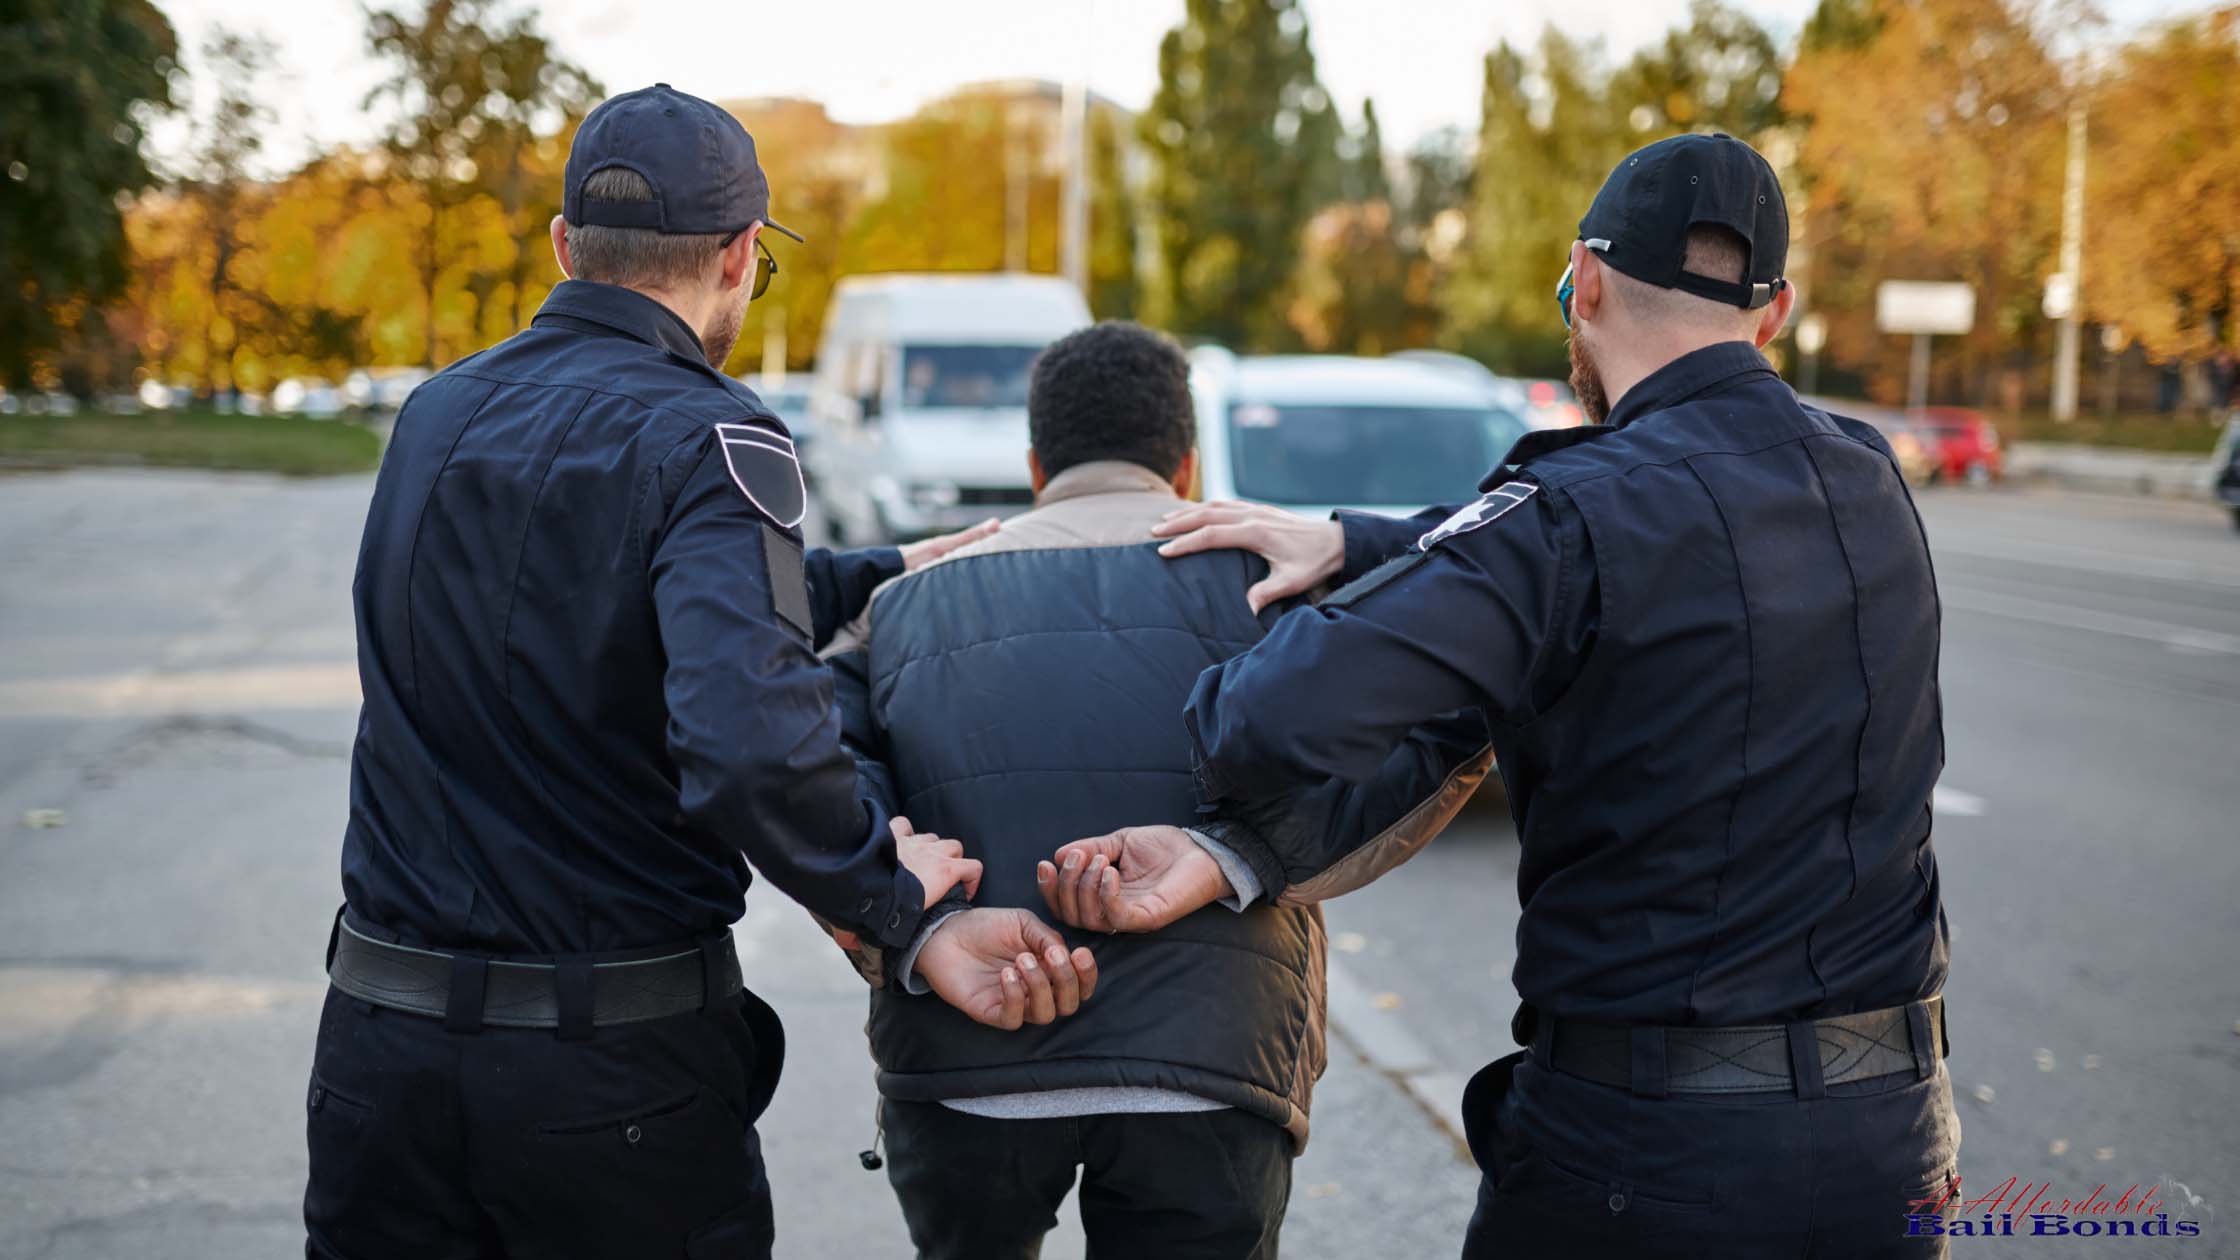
x,y
783,230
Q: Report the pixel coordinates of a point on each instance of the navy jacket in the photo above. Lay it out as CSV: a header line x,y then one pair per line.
x,y
1707,633
585,628
1022,693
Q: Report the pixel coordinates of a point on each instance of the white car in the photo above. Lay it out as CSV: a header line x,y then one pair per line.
x,y
920,401
1317,432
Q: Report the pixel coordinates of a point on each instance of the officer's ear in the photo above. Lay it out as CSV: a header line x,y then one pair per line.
x,y
738,259
1586,282
1775,314
560,245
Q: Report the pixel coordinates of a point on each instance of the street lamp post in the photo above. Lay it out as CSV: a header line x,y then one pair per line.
x,y
2066,346
1812,334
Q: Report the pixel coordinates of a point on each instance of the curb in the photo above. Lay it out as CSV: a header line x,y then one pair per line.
x,y
2111,470
1380,1039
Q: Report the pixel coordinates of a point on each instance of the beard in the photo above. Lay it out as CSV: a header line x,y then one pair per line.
x,y
722,331
1586,381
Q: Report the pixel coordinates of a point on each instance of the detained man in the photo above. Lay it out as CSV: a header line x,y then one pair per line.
x,y
1024,690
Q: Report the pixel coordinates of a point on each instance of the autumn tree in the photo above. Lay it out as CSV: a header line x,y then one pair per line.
x,y
1933,150
83,77
1113,289
1553,123
2163,189
221,184
1242,140
472,88
1546,139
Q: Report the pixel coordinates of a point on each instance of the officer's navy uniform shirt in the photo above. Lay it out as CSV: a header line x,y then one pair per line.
x,y
1708,634
586,655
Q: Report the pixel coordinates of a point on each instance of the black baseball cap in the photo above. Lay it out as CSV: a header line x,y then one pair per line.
x,y
1640,220
699,160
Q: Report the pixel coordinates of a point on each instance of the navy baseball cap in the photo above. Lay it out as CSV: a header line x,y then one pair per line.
x,y
1639,222
699,160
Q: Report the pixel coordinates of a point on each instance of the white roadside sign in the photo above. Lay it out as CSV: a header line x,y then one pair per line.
x,y
1918,306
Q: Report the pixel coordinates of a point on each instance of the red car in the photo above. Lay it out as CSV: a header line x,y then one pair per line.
x,y
1964,444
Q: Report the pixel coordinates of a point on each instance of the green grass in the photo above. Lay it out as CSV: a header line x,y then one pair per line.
x,y
2143,431
190,439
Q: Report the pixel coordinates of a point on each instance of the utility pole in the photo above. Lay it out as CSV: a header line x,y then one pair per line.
x,y
1073,215
1018,179
1073,220
774,347
2071,278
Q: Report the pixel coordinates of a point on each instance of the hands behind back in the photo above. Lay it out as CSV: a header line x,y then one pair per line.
x,y
1137,879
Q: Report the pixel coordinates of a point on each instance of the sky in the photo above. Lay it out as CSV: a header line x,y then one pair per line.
x,y
875,60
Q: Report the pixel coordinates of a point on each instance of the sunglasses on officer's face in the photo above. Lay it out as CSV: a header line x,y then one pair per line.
x,y
1563,293
765,266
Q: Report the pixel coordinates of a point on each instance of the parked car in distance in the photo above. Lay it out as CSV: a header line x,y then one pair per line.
x,y
1550,404
1316,432
790,399
919,403
2224,470
381,389
309,397
1965,445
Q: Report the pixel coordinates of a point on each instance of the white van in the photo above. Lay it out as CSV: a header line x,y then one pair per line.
x,y
1316,432
920,399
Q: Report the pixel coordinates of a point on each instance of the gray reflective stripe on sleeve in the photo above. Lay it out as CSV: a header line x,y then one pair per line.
x,y
1489,508
1398,842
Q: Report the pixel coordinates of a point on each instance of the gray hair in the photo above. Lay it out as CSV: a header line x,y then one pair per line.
x,y
639,258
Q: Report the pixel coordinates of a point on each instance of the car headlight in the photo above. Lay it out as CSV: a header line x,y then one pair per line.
x,y
929,496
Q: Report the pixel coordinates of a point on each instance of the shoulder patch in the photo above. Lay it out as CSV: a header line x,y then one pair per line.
x,y
763,465
1488,509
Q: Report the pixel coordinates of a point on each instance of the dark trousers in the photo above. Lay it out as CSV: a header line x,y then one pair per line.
x,y
638,1141
1577,1169
1200,1185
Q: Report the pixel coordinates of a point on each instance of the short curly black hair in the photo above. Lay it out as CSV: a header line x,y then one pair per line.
x,y
1114,390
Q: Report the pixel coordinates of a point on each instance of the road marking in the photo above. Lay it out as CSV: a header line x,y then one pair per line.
x,y
148,692
1955,803
2086,560
2177,638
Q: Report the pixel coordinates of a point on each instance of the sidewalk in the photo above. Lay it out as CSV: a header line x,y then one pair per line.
x,y
2110,470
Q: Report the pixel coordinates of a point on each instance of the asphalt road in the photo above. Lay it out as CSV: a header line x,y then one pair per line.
x,y
176,686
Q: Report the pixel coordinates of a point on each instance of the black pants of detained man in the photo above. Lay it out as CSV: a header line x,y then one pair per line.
x,y
1195,1185
1579,1169
637,1140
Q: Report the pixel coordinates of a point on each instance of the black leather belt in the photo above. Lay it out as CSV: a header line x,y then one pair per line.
x,y
1803,1058
468,991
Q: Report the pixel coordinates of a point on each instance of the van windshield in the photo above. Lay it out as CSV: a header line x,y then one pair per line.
x,y
966,376
1402,456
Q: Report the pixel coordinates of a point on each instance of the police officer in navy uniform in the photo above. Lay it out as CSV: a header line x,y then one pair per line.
x,y
1706,630
586,626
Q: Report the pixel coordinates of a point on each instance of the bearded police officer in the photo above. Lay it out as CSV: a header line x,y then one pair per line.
x,y
1706,630
585,628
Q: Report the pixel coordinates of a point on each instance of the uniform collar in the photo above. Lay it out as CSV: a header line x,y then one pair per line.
x,y
1101,476
1691,374
625,311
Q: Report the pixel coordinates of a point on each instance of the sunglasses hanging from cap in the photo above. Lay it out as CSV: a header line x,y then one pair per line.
x,y
765,263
